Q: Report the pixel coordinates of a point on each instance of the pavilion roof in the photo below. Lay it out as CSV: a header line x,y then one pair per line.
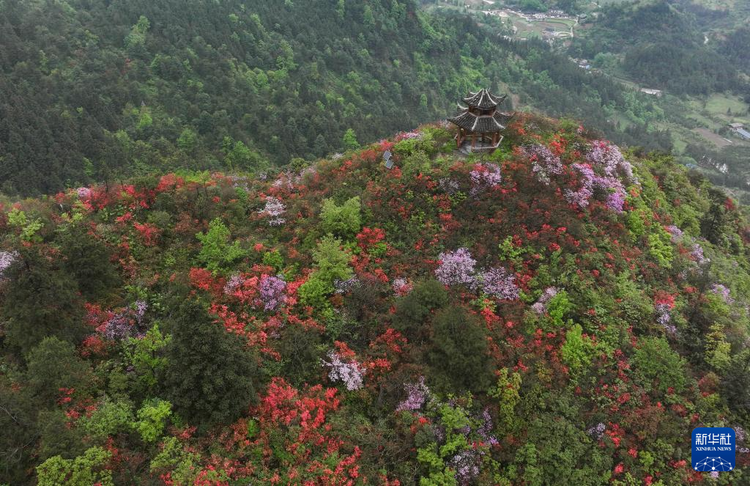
x,y
483,99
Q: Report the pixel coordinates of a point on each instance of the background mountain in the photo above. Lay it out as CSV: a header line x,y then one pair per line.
x,y
560,312
99,90
662,46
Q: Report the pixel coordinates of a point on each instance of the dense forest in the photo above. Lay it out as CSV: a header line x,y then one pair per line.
x,y
98,90
558,312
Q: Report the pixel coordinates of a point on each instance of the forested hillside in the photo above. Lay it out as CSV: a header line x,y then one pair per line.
x,y
93,90
559,312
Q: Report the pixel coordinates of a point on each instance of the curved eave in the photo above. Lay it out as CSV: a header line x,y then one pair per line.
x,y
478,123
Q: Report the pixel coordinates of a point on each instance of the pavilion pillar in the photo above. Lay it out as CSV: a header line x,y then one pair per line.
x,y
473,139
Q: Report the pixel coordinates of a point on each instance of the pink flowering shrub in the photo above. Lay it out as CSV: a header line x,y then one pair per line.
x,y
498,283
233,283
414,135
544,163
456,268
675,232
698,256
485,176
417,395
83,193
348,372
540,307
6,260
274,210
402,287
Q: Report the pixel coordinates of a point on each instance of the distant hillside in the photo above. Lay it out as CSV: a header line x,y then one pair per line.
x,y
661,45
99,91
559,312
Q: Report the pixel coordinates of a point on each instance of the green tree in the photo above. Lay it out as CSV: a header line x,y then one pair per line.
x,y
188,140
714,221
84,470
135,41
152,418
332,263
345,220
350,140
658,366
111,417
735,385
57,437
242,157
211,376
367,17
41,301
414,309
578,351
89,260
18,422
55,364
460,350
147,357
216,251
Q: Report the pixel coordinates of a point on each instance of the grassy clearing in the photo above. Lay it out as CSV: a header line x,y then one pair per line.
x,y
718,104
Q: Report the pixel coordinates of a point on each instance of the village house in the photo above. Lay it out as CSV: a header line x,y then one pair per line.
x,y
652,92
740,130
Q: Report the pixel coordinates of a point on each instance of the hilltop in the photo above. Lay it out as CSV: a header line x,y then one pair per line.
x,y
558,312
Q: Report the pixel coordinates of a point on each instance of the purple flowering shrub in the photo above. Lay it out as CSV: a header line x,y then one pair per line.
x,y
457,268
723,292
664,318
469,436
126,324
540,307
344,286
604,171
675,232
449,186
272,291
466,464
597,431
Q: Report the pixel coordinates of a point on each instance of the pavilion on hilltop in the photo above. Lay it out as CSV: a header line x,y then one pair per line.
x,y
480,122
